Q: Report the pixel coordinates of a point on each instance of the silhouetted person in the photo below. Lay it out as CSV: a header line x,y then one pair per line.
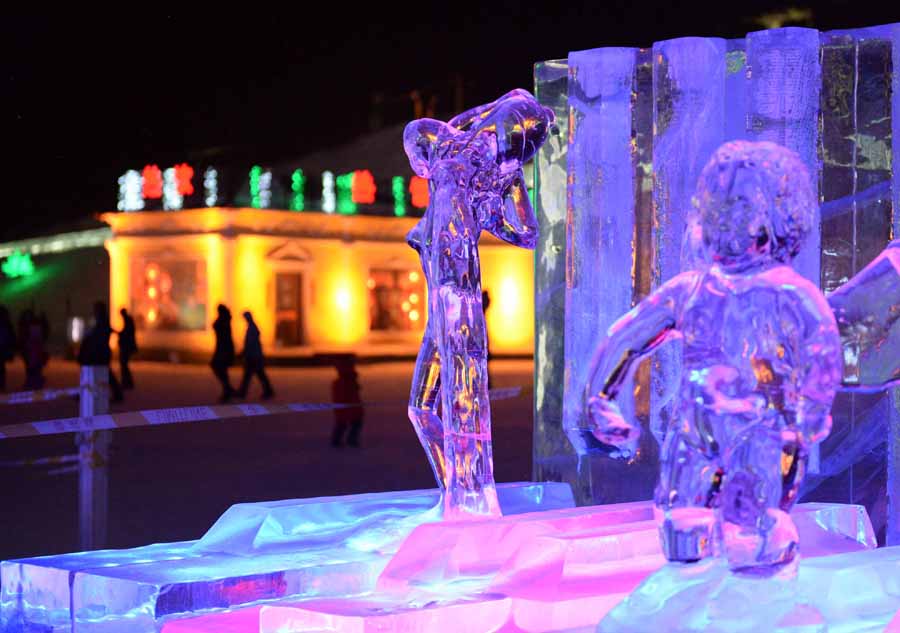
x,y
223,356
95,349
7,344
32,346
127,348
254,361
345,390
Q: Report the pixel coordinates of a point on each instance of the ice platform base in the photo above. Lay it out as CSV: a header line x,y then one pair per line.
x,y
256,552
559,570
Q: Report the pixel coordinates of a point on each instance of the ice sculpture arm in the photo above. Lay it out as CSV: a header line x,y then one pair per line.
x,y
632,337
510,216
822,365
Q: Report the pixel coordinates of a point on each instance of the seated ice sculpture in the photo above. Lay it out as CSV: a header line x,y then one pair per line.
x,y
474,167
761,363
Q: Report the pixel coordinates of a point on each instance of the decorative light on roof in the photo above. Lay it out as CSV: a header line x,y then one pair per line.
x,y
328,197
131,196
399,193
298,184
172,200
211,187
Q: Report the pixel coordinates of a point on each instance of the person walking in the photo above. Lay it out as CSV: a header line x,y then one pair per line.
x,y
33,349
7,344
254,362
95,348
223,356
127,348
346,390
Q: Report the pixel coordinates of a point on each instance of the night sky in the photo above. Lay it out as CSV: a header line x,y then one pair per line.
x,y
86,98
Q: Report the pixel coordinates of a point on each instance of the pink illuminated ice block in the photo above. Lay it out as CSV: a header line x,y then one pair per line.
x,y
547,572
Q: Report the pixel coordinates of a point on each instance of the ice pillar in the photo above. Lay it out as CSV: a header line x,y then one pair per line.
x,y
689,123
601,260
554,459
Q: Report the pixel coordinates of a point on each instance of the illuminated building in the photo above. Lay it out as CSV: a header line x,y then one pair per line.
x,y
315,282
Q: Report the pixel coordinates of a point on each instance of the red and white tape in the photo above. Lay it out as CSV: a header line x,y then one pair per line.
x,y
41,395
181,415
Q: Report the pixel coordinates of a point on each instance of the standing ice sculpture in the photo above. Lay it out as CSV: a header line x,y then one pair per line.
x,y
474,167
761,363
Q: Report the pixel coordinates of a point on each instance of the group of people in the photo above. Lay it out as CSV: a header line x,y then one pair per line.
x,y
29,340
95,348
345,389
224,355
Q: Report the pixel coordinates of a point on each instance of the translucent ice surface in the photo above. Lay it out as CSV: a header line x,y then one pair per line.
x,y
255,552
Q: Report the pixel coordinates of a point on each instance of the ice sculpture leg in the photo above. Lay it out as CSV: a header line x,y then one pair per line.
x,y
760,487
466,405
688,481
423,402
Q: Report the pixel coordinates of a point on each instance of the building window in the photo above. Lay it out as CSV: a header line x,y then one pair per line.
x,y
168,294
396,300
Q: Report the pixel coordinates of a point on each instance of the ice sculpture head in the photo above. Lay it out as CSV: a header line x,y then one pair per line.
x,y
754,204
482,151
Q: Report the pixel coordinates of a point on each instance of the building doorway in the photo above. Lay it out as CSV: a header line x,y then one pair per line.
x,y
288,309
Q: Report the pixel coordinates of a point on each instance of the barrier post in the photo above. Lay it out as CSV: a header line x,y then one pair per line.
x,y
93,456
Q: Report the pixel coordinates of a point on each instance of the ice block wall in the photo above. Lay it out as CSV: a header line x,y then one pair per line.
x,y
641,124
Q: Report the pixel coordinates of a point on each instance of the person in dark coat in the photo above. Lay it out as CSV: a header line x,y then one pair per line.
x,y
32,346
95,348
127,348
345,390
223,356
7,344
254,361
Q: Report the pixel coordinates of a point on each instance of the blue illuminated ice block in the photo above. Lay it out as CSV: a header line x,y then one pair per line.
x,y
255,552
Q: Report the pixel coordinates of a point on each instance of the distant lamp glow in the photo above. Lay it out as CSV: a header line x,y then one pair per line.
x,y
414,276
76,329
298,184
211,186
418,190
172,199
131,196
362,187
152,271
152,180
328,197
345,204
342,299
370,284
18,264
414,298
413,315
405,306
399,194
151,315
151,292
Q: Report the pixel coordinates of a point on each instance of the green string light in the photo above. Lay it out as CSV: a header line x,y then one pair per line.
x,y
345,202
298,184
255,174
399,192
18,265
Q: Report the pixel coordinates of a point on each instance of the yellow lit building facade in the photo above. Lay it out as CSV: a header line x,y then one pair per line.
x,y
315,282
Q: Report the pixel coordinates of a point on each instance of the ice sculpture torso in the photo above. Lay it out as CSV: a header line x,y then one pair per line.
x,y
474,167
761,363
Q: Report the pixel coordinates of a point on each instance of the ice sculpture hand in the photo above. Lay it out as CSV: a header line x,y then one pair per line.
x,y
474,167
610,427
761,362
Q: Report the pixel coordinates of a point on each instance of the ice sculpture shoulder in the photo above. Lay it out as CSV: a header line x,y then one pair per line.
x,y
761,363
474,167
